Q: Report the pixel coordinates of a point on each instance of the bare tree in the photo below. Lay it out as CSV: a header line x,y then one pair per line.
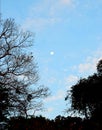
x,y
18,70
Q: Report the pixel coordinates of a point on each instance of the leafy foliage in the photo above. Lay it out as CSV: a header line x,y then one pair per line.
x,y
86,95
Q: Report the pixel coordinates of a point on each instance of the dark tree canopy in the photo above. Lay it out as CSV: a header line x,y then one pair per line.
x,y
86,95
99,67
4,103
18,71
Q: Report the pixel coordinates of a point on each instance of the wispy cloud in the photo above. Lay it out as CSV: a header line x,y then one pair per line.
x,y
58,96
47,13
39,23
84,69
71,79
90,63
50,109
46,112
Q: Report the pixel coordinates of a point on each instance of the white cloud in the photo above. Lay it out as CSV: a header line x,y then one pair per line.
x,y
71,79
50,109
59,7
90,63
38,23
59,95
46,112
46,13
85,67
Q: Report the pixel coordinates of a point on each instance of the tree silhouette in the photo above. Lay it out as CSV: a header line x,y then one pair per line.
x,y
99,67
18,71
4,103
86,95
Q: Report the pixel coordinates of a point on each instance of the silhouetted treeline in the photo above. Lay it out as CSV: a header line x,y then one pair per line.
x,y
86,96
59,123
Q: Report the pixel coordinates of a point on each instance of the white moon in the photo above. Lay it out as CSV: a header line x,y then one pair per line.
x,y
52,53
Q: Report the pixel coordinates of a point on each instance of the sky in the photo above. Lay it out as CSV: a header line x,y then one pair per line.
x,y
67,42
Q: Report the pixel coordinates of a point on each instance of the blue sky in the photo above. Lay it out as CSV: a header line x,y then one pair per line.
x,y
68,42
